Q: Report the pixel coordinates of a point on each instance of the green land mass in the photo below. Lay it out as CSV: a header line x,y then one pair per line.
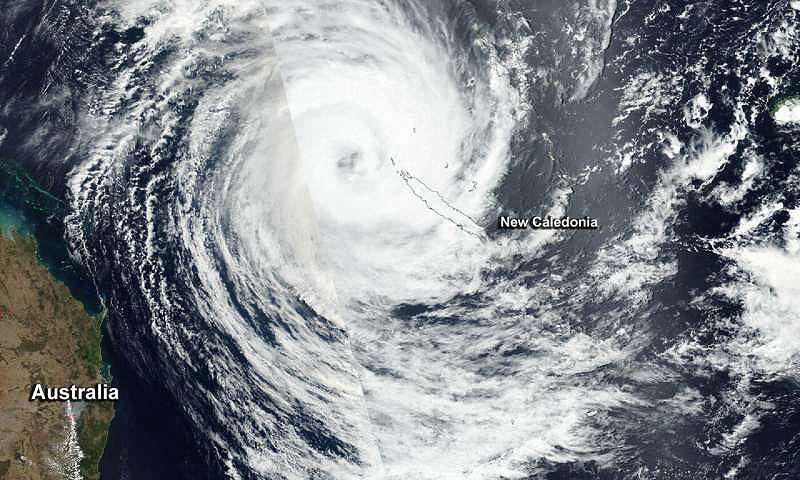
x,y
46,336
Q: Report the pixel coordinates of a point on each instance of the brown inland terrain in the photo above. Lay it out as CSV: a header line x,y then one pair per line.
x,y
46,337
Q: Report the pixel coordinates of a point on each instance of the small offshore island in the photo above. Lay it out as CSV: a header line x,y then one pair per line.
x,y
46,337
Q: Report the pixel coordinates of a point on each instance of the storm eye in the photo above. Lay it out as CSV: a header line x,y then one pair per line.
x,y
348,163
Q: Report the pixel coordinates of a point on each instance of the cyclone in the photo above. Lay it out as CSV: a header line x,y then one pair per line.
x,y
345,167
401,142
290,210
